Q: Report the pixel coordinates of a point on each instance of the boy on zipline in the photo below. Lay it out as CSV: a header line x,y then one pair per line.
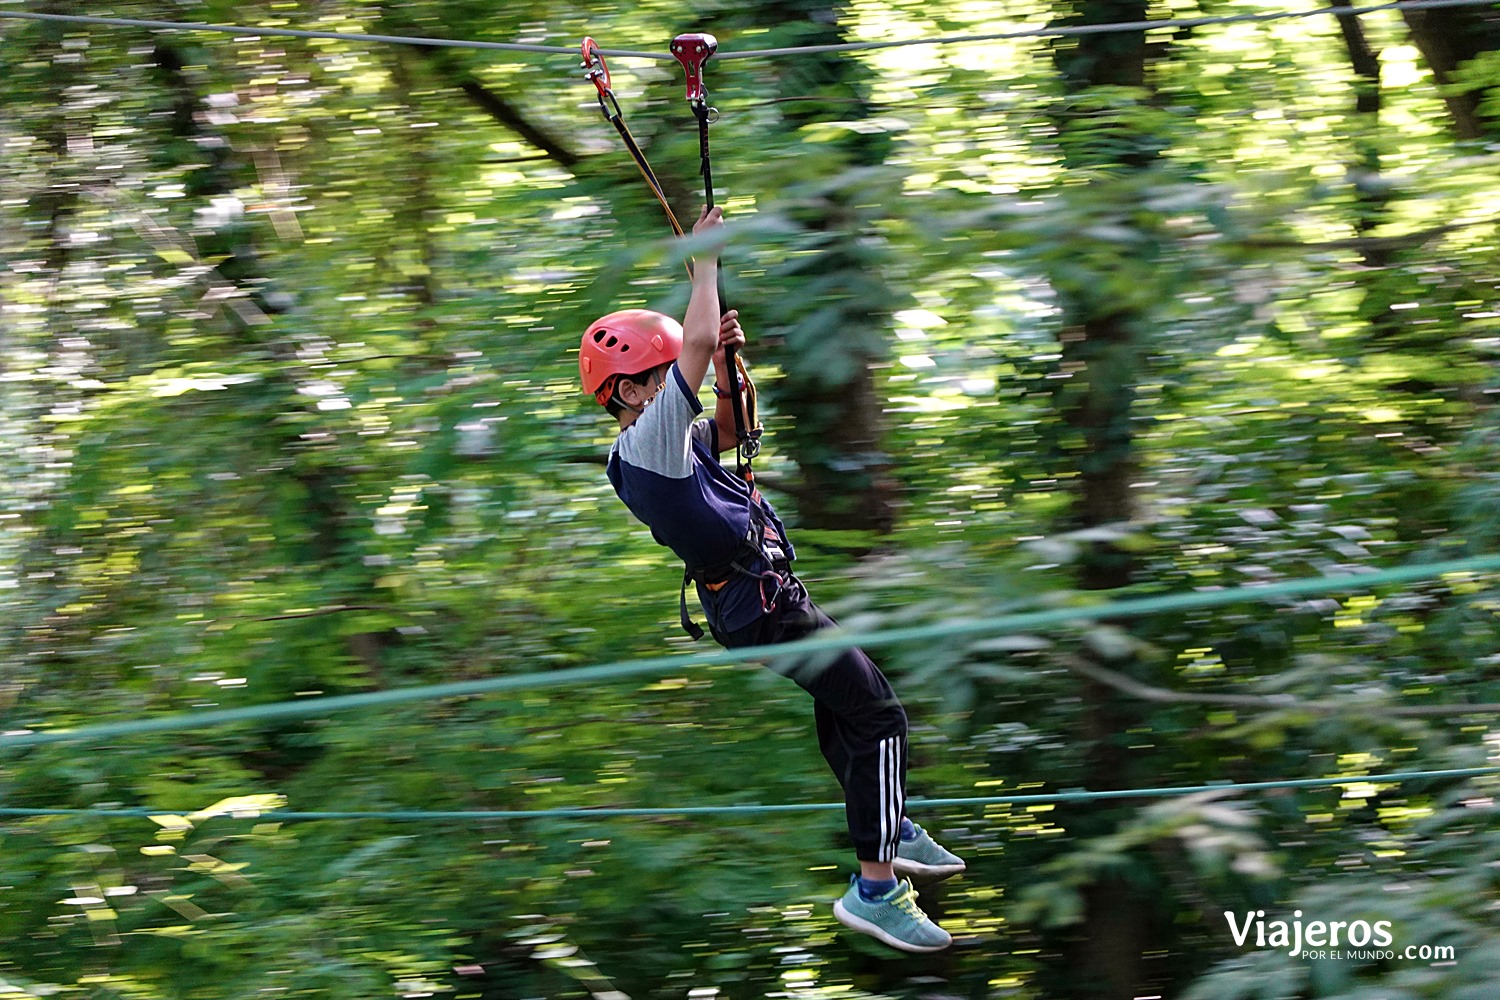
x,y
646,370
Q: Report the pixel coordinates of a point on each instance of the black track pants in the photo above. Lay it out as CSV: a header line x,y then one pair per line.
x,y
861,724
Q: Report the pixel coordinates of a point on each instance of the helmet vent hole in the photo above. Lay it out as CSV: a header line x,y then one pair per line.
x,y
624,348
611,342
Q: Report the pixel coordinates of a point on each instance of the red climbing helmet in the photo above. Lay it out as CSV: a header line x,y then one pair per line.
x,y
625,343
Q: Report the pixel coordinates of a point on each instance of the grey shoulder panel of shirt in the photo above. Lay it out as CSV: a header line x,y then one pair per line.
x,y
660,440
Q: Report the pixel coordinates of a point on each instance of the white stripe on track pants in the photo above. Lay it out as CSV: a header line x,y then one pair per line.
x,y
861,724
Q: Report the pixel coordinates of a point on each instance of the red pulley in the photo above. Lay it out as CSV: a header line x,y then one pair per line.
x,y
693,50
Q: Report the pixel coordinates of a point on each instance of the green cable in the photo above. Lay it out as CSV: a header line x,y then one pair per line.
x,y
1027,798
822,642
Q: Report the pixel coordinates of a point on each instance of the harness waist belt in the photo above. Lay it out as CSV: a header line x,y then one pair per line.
x,y
759,542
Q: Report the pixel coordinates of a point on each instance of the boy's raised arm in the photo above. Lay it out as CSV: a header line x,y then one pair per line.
x,y
700,326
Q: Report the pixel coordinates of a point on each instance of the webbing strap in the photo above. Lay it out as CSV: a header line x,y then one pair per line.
x,y
598,75
692,628
761,541
618,121
751,403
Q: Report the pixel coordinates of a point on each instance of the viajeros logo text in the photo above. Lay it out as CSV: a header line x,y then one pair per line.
x,y
1352,939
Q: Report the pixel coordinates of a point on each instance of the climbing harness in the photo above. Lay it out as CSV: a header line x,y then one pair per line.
x,y
762,541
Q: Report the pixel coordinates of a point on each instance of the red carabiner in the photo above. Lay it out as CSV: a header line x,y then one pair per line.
x,y
598,69
693,50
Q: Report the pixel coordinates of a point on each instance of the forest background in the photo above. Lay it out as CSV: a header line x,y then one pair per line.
x,y
289,340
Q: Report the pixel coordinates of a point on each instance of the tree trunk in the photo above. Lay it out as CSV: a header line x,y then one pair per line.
x,y
1372,196
1449,38
320,487
834,428
54,206
1101,359
1366,168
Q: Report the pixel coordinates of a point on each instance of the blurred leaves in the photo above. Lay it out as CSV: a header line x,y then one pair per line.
x,y
286,354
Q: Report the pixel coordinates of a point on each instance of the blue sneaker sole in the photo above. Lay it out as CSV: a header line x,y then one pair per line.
x,y
879,933
915,869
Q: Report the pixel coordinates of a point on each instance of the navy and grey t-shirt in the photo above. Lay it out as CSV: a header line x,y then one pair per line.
x,y
665,468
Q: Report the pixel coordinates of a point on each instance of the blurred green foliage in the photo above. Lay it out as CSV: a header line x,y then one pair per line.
x,y
289,388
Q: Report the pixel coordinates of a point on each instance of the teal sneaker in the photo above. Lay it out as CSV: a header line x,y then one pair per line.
x,y
924,858
894,918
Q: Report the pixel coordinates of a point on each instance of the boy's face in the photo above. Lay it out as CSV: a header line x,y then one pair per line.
x,y
638,395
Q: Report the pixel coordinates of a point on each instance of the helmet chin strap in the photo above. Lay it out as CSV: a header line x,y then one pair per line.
x,y
661,384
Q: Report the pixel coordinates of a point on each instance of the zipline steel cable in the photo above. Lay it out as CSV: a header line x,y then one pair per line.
x,y
1173,24
1129,607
